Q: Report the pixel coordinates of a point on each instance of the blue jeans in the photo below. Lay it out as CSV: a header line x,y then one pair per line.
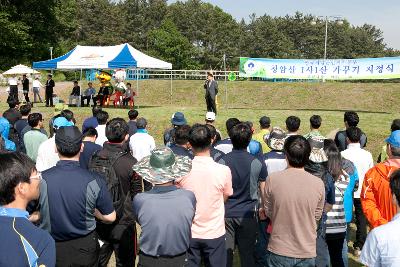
x,y
275,260
345,250
322,259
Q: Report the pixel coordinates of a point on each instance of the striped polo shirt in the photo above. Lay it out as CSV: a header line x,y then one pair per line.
x,y
336,218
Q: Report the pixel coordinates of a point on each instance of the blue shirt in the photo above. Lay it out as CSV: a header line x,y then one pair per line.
x,y
68,196
22,243
247,171
165,214
88,150
351,170
90,123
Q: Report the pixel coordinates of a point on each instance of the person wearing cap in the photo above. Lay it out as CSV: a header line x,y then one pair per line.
x,y
294,201
211,87
212,185
34,138
315,124
375,195
248,175
141,143
71,199
363,161
177,119
91,122
210,119
119,236
22,243
262,135
383,243
49,90
102,118
165,213
47,156
181,145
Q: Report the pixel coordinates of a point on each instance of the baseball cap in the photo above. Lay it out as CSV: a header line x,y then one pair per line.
x,y
61,122
68,135
394,139
210,116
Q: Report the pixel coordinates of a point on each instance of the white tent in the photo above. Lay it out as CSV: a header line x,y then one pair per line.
x,y
103,57
20,69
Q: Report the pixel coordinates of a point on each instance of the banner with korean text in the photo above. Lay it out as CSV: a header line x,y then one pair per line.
x,y
313,69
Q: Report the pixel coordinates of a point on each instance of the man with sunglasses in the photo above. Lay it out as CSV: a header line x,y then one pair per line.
x,y
22,244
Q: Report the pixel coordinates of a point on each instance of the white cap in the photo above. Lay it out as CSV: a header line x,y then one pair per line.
x,y
210,116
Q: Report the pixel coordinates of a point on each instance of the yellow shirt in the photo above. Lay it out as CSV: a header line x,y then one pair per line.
x,y
260,138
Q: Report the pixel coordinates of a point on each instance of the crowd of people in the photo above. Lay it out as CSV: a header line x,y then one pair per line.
x,y
77,96
74,196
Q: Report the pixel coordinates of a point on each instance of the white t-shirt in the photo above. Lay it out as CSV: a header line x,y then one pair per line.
x,y
101,135
12,81
363,161
47,156
141,145
382,247
36,84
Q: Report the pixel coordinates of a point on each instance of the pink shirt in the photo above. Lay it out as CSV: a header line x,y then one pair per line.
x,y
209,181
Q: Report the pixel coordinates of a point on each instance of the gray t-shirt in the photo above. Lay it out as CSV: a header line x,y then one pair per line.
x,y
165,215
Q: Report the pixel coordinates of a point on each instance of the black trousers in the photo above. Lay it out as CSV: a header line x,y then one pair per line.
x,y
13,92
211,106
49,97
26,95
120,239
361,224
335,247
243,232
213,251
83,251
173,261
87,98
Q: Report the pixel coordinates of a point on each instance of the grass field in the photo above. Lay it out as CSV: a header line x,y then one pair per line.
x,y
376,103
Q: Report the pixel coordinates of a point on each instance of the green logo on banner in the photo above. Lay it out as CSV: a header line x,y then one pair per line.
x,y
232,76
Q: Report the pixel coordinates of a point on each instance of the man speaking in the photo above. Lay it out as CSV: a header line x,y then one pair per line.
x,y
211,87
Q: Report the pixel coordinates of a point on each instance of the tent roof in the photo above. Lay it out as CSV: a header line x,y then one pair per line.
x,y
103,57
20,69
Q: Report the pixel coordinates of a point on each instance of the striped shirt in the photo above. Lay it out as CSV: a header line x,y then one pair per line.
x,y
336,219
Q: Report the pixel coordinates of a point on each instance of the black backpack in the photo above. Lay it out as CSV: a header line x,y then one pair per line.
x,y
105,167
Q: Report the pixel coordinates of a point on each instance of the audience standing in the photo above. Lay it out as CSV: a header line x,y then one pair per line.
x,y
23,244
89,137
165,213
248,174
102,118
91,122
178,119
315,124
294,201
181,145
292,125
132,115
263,134
34,138
141,143
351,119
212,185
71,198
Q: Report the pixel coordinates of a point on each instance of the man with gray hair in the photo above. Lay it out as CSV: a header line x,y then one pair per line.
x,y
141,143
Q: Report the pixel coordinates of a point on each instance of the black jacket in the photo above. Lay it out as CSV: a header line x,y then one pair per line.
x,y
76,91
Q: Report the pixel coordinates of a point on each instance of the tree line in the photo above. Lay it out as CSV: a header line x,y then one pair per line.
x,y
190,35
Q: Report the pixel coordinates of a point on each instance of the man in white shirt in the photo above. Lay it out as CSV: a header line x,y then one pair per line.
x,y
383,243
47,156
363,161
141,143
102,118
36,89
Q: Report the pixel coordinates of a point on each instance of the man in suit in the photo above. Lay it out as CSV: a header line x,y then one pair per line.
x,y
211,87
25,88
49,90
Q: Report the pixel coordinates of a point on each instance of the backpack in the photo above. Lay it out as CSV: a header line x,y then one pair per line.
x,y
105,167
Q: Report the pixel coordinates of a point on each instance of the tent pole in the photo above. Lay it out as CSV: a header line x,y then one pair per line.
x,y
170,94
80,89
137,84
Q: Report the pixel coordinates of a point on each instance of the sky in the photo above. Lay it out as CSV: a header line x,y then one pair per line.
x,y
384,14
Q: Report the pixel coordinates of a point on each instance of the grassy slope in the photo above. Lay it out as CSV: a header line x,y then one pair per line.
x,y
377,105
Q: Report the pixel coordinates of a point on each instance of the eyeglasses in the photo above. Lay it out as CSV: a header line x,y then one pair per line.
x,y
38,176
